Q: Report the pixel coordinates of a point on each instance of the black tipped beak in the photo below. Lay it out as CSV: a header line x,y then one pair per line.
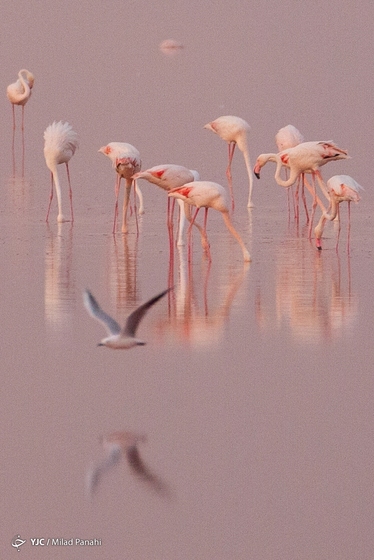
x,y
257,175
319,248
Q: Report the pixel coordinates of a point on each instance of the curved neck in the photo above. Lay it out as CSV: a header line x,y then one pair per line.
x,y
294,174
25,84
333,207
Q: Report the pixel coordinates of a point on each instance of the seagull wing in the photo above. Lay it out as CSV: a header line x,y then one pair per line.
x,y
141,470
97,470
136,316
96,312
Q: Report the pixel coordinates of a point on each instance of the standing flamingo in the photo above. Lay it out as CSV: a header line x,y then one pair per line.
x,y
341,188
60,143
306,157
19,93
209,195
170,176
289,137
234,131
126,161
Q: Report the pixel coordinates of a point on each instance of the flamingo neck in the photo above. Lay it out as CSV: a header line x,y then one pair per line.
x,y
294,174
234,233
26,87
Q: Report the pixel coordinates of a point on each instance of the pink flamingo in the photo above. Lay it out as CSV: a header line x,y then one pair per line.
x,y
306,157
234,131
289,137
209,195
19,93
126,161
341,188
170,176
60,144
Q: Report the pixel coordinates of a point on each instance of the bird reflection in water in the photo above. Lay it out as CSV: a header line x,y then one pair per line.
x,y
59,283
313,295
19,192
191,318
116,445
122,271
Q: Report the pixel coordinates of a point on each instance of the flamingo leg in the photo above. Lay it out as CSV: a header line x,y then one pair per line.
x,y
189,231
70,192
50,199
182,223
23,139
339,228
125,207
304,197
349,227
228,171
135,212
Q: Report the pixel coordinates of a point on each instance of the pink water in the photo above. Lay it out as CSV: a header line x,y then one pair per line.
x,y
255,388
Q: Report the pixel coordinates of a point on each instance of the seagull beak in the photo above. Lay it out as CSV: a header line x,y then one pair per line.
x,y
257,174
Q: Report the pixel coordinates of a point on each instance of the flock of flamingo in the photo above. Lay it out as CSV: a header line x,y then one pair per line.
x,y
297,157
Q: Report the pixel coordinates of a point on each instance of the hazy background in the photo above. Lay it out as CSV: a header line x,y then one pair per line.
x,y
255,387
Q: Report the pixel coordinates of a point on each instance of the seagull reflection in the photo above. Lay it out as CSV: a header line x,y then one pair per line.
x,y
190,317
59,284
120,444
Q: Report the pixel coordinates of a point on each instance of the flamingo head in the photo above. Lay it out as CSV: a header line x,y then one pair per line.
x,y
106,150
260,162
210,126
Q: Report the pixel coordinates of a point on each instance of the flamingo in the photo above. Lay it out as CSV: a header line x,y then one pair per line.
x,y
19,93
209,195
170,176
119,338
289,137
341,188
60,144
306,157
115,445
234,131
126,161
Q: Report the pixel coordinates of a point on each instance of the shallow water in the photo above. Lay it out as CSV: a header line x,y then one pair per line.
x,y
255,386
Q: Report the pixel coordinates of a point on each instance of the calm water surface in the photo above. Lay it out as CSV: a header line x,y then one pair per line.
x,y
255,387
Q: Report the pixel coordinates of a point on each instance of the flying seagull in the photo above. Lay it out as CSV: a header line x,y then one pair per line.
x,y
119,338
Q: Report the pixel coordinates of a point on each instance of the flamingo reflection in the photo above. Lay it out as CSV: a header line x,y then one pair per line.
x,y
59,282
313,295
191,318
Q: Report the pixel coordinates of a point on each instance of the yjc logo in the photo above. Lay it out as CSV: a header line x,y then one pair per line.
x,y
17,542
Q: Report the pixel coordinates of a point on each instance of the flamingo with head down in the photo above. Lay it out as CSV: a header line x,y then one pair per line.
x,y
207,194
60,144
341,188
167,177
126,161
234,131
